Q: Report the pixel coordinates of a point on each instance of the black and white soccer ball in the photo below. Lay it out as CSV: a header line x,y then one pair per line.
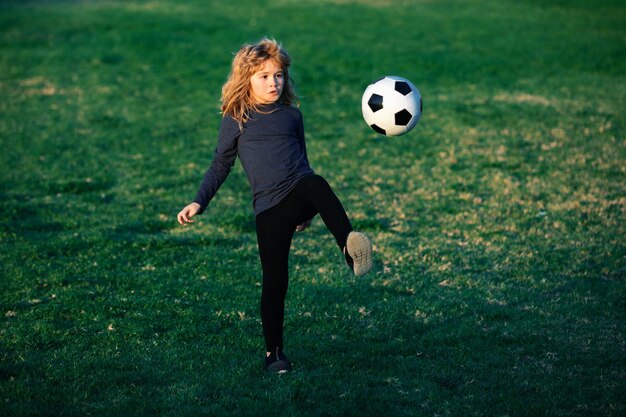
x,y
391,105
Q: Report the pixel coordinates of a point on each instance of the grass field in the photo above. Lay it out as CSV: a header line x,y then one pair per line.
x,y
498,223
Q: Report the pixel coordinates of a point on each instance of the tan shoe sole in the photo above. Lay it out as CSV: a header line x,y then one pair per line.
x,y
359,248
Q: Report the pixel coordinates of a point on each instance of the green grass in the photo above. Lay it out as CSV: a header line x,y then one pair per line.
x,y
498,223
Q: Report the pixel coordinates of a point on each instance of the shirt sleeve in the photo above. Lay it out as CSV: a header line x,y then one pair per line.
x,y
300,134
223,161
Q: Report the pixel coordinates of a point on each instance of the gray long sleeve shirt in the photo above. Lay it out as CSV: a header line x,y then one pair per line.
x,y
272,151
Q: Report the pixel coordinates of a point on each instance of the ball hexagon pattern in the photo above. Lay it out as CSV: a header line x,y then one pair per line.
x,y
391,106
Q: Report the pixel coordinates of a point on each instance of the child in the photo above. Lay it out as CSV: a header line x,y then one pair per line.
x,y
261,125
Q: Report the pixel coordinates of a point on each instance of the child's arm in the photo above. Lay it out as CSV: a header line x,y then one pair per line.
x,y
223,160
187,213
301,139
301,227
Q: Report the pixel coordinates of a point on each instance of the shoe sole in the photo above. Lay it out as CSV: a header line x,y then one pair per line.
x,y
360,250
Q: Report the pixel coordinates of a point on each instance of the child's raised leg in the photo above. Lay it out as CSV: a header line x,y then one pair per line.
x,y
356,246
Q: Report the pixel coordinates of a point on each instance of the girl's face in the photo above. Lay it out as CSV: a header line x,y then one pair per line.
x,y
267,83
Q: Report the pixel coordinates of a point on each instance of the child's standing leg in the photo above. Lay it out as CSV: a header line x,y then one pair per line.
x,y
274,235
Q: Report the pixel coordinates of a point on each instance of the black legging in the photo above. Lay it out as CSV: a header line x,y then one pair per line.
x,y
275,228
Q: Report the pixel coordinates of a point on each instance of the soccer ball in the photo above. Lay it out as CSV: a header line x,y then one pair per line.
x,y
391,106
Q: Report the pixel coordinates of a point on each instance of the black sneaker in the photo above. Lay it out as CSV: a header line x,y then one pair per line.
x,y
358,252
277,362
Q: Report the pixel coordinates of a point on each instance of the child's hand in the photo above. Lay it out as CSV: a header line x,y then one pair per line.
x,y
303,226
187,213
